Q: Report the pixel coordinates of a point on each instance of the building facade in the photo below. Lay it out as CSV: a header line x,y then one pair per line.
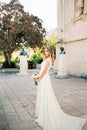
x,y
72,35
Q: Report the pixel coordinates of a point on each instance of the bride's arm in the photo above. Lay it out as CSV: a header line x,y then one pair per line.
x,y
39,77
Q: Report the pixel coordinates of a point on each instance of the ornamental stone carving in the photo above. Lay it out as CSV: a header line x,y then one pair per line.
x,y
80,6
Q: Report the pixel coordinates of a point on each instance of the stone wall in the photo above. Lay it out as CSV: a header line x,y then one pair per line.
x,y
76,57
76,53
73,35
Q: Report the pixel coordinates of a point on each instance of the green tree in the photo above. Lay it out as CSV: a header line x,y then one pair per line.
x,y
17,28
37,56
50,42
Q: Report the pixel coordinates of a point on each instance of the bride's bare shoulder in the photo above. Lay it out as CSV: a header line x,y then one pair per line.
x,y
49,60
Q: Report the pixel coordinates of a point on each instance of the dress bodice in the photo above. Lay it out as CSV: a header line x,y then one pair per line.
x,y
44,63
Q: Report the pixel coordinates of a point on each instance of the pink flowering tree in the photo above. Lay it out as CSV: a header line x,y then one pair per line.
x,y
18,27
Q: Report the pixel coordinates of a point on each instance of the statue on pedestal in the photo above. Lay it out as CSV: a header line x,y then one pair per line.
x,y
62,69
80,6
23,62
23,52
62,50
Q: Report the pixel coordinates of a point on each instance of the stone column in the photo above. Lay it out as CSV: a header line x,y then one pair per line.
x,y
60,18
61,35
23,65
62,70
62,66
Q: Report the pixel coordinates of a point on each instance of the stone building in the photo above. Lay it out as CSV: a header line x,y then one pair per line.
x,y
72,35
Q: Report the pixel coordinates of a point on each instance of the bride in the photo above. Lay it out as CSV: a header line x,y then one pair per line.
x,y
49,114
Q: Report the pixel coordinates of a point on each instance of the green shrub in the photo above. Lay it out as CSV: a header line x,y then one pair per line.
x,y
36,59
6,65
37,56
16,59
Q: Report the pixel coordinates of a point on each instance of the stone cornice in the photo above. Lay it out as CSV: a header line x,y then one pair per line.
x,y
68,40
74,39
81,17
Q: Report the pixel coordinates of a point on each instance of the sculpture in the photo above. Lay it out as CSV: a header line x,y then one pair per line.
x,y
80,6
62,50
23,62
23,52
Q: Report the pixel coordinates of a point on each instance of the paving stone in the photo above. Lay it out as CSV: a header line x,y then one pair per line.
x,y
15,127
37,128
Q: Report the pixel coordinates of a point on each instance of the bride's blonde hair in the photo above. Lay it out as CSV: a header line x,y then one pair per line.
x,y
51,52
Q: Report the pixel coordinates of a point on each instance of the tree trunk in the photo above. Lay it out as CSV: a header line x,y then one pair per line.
x,y
7,56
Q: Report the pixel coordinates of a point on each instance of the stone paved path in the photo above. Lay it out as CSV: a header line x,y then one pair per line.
x,y
18,96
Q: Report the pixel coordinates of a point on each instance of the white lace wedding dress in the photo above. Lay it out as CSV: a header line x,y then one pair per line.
x,y
48,112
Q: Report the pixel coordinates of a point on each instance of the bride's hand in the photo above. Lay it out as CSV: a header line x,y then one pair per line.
x,y
38,79
35,77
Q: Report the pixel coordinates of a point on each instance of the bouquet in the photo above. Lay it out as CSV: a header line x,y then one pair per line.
x,y
33,77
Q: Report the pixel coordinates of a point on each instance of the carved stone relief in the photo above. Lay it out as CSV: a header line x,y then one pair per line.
x,y
80,7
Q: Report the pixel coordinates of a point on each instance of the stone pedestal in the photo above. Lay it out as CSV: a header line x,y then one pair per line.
x,y
23,65
62,68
